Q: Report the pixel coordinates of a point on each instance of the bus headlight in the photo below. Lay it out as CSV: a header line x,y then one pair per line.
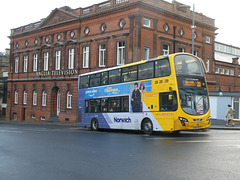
x,y
209,120
183,120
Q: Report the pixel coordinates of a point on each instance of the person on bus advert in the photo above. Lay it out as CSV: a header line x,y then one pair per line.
x,y
142,90
136,99
229,115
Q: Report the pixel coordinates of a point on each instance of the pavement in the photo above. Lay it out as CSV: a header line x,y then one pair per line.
x,y
215,124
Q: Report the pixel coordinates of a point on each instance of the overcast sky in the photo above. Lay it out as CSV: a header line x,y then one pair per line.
x,y
16,13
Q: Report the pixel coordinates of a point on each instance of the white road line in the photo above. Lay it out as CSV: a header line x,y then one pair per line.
x,y
200,141
10,131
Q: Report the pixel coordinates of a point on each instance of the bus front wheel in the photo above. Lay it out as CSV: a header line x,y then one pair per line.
x,y
94,124
147,126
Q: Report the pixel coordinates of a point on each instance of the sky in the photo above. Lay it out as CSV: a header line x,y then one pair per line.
x,y
15,13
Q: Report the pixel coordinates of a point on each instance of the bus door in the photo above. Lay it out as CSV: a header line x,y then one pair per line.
x,y
167,107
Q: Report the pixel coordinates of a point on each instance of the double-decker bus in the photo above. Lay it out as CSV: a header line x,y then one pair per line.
x,y
167,93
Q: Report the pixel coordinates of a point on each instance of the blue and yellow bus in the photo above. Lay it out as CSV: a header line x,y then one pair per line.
x,y
167,93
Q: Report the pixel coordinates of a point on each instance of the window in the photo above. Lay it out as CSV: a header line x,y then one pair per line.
x,y
115,76
34,97
181,50
145,70
35,60
168,101
208,39
16,64
16,97
104,78
146,22
129,73
44,98
222,71
71,59
86,106
95,105
195,53
85,57
95,80
232,72
238,73
120,53
207,65
58,60
25,63
102,55
146,53
165,49
162,68
45,63
227,71
69,99
217,70
112,104
84,82
24,97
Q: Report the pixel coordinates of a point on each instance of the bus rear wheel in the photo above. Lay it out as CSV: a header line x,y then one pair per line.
x,y
94,124
147,126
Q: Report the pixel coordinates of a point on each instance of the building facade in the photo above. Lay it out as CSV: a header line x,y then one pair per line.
x,y
47,56
224,80
4,67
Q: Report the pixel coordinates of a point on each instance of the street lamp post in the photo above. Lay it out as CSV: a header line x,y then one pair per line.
x,y
193,28
193,23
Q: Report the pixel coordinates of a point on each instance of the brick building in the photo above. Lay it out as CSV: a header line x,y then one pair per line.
x,y
47,56
223,80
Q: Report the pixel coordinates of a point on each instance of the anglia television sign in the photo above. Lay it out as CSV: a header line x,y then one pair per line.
x,y
67,72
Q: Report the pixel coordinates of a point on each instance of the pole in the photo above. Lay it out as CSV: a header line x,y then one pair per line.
x,y
193,27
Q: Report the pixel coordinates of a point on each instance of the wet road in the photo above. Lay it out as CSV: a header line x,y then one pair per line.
x,y
52,152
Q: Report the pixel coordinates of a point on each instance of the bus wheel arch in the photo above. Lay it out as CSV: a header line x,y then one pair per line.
x,y
94,124
147,126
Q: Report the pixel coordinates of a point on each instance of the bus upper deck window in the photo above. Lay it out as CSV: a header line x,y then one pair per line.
x,y
84,82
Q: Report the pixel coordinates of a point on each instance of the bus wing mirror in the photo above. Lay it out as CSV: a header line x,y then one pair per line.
x,y
170,97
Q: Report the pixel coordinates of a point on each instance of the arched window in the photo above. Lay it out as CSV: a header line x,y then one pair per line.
x,y
25,97
16,97
44,98
34,97
69,99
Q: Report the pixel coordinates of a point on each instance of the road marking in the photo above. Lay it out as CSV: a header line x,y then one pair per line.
x,y
10,131
200,141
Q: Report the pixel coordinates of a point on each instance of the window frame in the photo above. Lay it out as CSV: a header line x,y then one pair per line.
x,y
34,97
25,63
35,60
44,98
69,100
86,52
16,64
166,51
45,61
121,53
25,97
146,53
147,22
102,55
16,97
71,58
58,60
